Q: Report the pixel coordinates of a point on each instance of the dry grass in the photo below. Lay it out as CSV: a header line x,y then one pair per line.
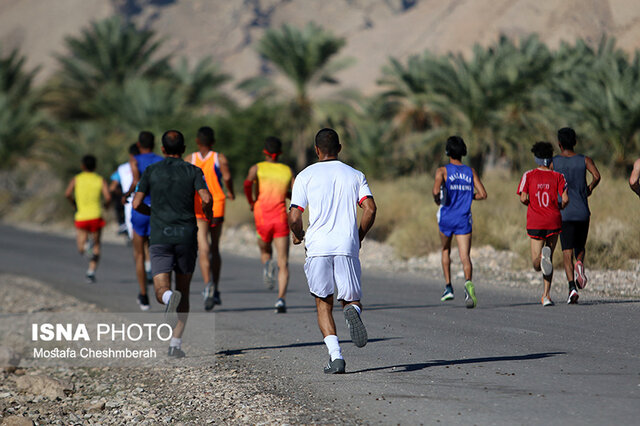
x,y
407,219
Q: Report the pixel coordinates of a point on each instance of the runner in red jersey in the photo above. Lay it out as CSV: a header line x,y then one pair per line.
x,y
540,190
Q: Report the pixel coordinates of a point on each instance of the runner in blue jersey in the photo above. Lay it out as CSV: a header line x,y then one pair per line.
x,y
454,189
140,222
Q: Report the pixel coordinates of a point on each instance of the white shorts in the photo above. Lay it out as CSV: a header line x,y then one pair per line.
x,y
326,272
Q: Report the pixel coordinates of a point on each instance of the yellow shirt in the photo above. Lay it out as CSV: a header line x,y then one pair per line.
x,y
87,193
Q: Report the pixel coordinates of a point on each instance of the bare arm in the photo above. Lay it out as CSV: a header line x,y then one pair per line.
x,y
565,199
368,217
524,198
207,203
635,176
595,174
226,176
250,190
481,193
113,186
106,195
69,192
295,224
138,204
440,177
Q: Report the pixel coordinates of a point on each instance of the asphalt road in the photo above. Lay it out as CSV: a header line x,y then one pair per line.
x,y
509,361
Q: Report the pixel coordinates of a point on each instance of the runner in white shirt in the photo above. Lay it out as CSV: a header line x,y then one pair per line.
x,y
126,178
332,190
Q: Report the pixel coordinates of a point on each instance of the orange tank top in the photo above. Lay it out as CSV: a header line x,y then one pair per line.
x,y
210,166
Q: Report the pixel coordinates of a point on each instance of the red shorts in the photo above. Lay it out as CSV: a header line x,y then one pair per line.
x,y
93,225
268,231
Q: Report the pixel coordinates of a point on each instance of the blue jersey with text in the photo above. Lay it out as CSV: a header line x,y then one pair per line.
x,y
454,215
144,161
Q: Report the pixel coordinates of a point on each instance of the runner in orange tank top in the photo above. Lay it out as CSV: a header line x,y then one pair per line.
x,y
215,167
271,182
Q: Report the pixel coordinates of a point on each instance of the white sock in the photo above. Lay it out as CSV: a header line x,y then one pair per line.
x,y
175,342
147,265
357,308
166,296
333,347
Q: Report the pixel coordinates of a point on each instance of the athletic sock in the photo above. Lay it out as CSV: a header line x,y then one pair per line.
x,y
175,342
166,296
357,308
147,266
572,285
333,347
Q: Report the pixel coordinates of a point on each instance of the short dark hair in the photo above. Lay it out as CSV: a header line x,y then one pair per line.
x,y
206,135
456,148
273,145
567,137
89,162
328,142
133,149
173,142
542,150
146,140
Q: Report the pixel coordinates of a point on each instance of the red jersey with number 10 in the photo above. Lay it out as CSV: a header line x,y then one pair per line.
x,y
544,187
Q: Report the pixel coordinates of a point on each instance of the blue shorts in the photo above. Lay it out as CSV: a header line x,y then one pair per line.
x,y
459,226
140,223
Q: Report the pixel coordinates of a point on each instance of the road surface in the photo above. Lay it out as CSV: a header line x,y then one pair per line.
x,y
509,361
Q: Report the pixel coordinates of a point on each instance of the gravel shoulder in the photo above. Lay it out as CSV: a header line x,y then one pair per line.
x,y
231,391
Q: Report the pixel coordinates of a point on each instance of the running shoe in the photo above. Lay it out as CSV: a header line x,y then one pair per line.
x,y
581,277
356,327
269,274
470,295
208,293
216,298
90,277
545,261
448,294
573,297
337,366
175,352
281,306
143,301
122,229
546,301
171,310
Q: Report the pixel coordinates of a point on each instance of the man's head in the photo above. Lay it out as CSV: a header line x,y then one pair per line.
x,y
133,149
272,147
173,143
205,137
89,163
456,148
146,141
567,138
543,152
328,143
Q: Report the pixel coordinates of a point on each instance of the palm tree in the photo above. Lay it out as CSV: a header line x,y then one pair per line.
x,y
305,58
202,83
107,52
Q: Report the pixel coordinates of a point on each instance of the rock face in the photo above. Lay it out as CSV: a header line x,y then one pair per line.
x,y
374,29
9,359
17,421
41,385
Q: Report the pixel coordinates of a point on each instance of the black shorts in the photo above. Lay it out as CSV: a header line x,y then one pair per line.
x,y
180,258
574,235
542,234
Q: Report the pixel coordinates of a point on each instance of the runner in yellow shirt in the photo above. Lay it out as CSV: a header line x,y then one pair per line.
x,y
84,192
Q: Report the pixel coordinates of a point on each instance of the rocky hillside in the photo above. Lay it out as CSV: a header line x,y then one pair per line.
x,y
374,29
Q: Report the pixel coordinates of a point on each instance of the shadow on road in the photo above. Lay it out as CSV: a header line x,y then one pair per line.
x,y
442,363
230,352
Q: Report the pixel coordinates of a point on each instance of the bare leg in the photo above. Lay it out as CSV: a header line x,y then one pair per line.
x,y
138,257
93,263
81,239
183,282
536,252
266,251
161,284
325,316
282,247
204,250
216,260
551,243
464,248
446,257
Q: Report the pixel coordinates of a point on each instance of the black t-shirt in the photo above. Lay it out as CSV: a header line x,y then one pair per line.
x,y
172,184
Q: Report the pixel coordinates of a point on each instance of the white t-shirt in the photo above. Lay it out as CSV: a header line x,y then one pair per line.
x,y
126,178
332,191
